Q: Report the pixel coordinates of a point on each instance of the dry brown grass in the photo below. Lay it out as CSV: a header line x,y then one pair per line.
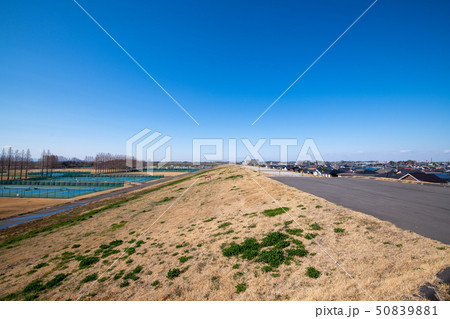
x,y
388,262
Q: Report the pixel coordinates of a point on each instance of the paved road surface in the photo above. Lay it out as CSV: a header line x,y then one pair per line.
x,y
424,209
4,223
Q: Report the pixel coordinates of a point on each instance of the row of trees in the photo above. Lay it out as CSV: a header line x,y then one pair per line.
x,y
14,164
108,163
47,163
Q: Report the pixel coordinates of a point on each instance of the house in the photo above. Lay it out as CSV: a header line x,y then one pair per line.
x,y
422,177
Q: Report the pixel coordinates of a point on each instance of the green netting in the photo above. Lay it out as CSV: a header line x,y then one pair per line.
x,y
64,183
36,191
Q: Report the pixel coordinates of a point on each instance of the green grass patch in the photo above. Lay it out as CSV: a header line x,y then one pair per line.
x,y
311,235
275,211
38,266
89,278
241,287
166,199
117,226
88,261
234,176
294,231
312,272
183,259
175,272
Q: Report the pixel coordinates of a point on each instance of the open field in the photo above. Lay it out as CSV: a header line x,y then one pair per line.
x,y
183,230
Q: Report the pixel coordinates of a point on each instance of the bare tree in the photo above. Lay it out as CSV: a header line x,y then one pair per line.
x,y
10,155
28,160
2,163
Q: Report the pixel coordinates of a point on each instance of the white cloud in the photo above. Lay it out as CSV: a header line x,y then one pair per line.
x,y
446,151
405,151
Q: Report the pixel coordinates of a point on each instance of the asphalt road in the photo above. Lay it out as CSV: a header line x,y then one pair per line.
x,y
424,209
4,223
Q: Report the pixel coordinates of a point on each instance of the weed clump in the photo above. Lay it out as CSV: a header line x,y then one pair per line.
x,y
241,287
274,257
339,230
87,261
175,272
234,176
275,211
183,259
34,286
89,278
56,281
294,231
312,272
40,265
311,236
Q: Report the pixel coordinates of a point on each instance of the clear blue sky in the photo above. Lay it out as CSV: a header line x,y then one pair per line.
x,y
382,92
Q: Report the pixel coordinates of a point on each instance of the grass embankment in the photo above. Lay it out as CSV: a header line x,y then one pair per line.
x,y
223,238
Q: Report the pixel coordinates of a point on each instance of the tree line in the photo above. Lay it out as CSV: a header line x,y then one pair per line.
x,y
108,163
14,164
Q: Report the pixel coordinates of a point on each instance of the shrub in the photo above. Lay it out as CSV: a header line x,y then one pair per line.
x,y
339,230
236,266
209,220
275,211
155,283
241,287
315,226
312,272
124,283
175,272
224,225
318,206
75,246
130,250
